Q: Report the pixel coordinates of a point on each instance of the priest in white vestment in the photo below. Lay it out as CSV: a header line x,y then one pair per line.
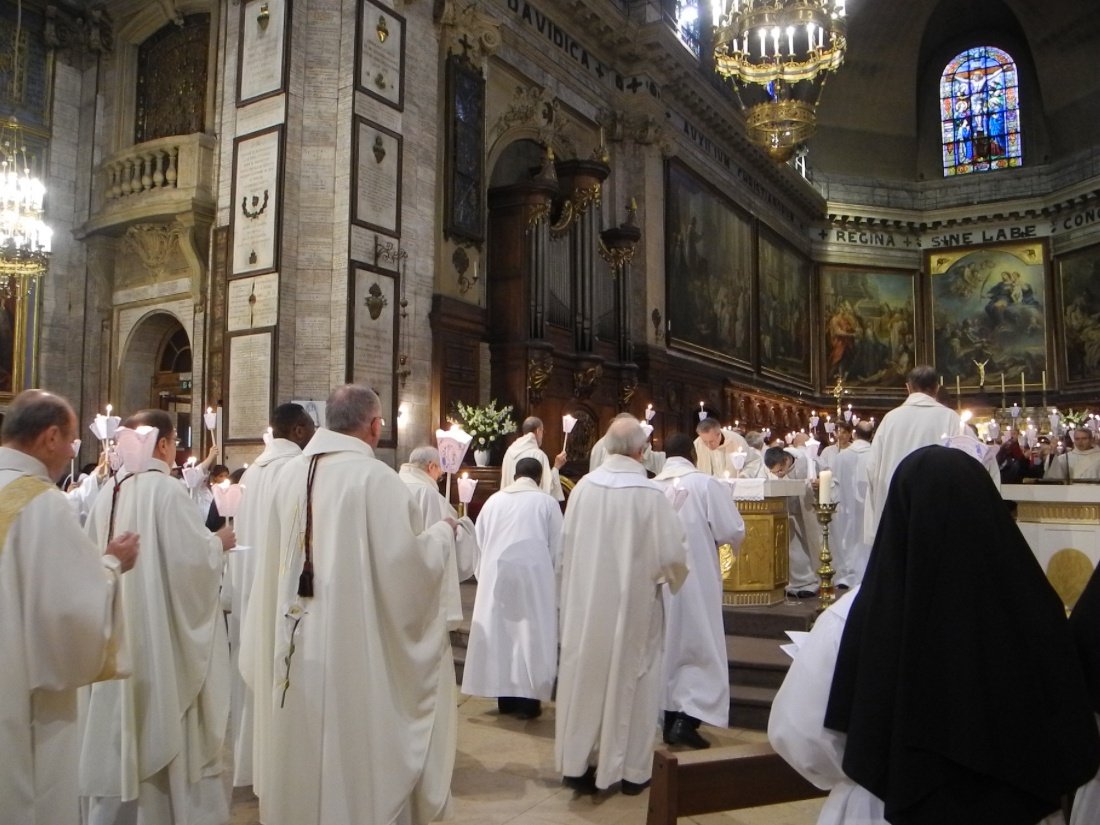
x,y
652,460
714,446
849,546
919,422
151,748
60,626
529,445
696,665
360,635
252,575
82,496
1082,463
621,543
512,654
804,547
1084,624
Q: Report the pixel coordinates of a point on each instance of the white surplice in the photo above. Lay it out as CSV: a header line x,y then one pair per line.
x,y
696,665
57,604
827,459
435,507
652,460
796,726
805,533
156,737
513,646
527,446
1086,802
919,422
83,496
353,725
849,547
717,462
253,573
1082,465
621,543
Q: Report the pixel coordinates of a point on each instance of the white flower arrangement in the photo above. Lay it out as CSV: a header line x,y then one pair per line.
x,y
486,424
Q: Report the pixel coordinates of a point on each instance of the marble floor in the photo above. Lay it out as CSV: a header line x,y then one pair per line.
x,y
504,773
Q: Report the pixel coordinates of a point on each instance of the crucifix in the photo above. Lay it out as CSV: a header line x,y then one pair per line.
x,y
981,372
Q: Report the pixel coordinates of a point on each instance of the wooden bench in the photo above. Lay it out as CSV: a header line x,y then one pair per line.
x,y
722,779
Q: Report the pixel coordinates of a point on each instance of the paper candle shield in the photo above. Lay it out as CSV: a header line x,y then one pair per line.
x,y
568,422
466,487
737,459
76,446
210,419
676,496
647,429
192,477
227,498
135,447
452,445
105,426
268,437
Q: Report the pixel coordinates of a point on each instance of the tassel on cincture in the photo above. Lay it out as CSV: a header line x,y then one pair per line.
x,y
305,582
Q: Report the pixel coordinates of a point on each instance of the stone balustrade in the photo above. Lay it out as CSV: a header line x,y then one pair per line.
x,y
153,179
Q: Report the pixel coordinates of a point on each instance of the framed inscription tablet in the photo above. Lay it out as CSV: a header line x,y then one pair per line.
x,y
248,386
257,166
380,54
261,62
376,177
373,329
253,302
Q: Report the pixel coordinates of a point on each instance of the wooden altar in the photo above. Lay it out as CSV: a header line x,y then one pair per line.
x,y
758,573
1061,523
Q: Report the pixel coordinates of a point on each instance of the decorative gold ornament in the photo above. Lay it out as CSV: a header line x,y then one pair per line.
x,y
375,301
382,30
263,17
379,149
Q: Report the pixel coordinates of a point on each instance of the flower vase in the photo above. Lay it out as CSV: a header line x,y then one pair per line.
x,y
481,458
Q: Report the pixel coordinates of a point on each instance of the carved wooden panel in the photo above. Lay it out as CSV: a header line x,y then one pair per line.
x,y
171,83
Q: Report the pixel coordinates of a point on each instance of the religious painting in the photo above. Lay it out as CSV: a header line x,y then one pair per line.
x,y
708,269
868,327
374,324
1079,288
785,340
261,62
9,338
255,217
380,54
989,308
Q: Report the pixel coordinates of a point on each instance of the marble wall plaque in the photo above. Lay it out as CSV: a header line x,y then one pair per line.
x,y
253,302
376,192
374,336
255,221
261,67
380,56
249,385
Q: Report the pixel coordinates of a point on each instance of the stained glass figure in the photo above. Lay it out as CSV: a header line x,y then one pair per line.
x,y
980,112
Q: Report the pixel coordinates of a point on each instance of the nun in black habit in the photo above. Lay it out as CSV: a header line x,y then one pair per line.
x,y
956,682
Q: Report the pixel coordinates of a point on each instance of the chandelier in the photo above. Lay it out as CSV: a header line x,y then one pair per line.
x,y
778,54
24,236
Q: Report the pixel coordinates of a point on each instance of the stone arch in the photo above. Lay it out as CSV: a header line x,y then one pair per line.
x,y
138,363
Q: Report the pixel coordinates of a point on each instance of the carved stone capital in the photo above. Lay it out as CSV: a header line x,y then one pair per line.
x,y
153,243
467,30
79,26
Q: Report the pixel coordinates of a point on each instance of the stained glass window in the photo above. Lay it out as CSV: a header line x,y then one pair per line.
x,y
980,112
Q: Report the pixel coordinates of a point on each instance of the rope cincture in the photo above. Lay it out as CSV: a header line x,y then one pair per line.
x,y
305,580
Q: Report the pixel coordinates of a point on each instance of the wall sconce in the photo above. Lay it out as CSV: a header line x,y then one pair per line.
x,y
655,317
263,17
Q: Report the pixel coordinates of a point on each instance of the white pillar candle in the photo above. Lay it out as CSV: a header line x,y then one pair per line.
x,y
825,487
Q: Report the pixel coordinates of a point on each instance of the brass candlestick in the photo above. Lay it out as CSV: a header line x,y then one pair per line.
x,y
825,572
461,509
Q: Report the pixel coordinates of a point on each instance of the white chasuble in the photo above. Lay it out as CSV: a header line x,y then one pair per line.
x,y
353,717
56,623
513,647
621,543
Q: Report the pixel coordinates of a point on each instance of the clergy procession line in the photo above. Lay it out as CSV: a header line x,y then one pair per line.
x,y
124,699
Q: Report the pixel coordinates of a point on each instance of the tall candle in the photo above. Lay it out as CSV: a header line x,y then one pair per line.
x,y
1044,381
825,487
958,387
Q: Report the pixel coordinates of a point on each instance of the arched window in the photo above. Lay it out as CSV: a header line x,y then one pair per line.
x,y
980,112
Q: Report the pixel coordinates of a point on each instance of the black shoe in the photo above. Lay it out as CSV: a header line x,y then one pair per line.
x,y
670,719
843,588
633,788
506,704
802,594
683,732
528,708
582,784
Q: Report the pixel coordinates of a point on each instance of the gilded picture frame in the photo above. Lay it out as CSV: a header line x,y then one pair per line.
x,y
708,269
17,336
990,310
1078,289
785,307
868,327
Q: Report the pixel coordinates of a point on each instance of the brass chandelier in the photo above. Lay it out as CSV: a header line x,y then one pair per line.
x,y
24,236
778,54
